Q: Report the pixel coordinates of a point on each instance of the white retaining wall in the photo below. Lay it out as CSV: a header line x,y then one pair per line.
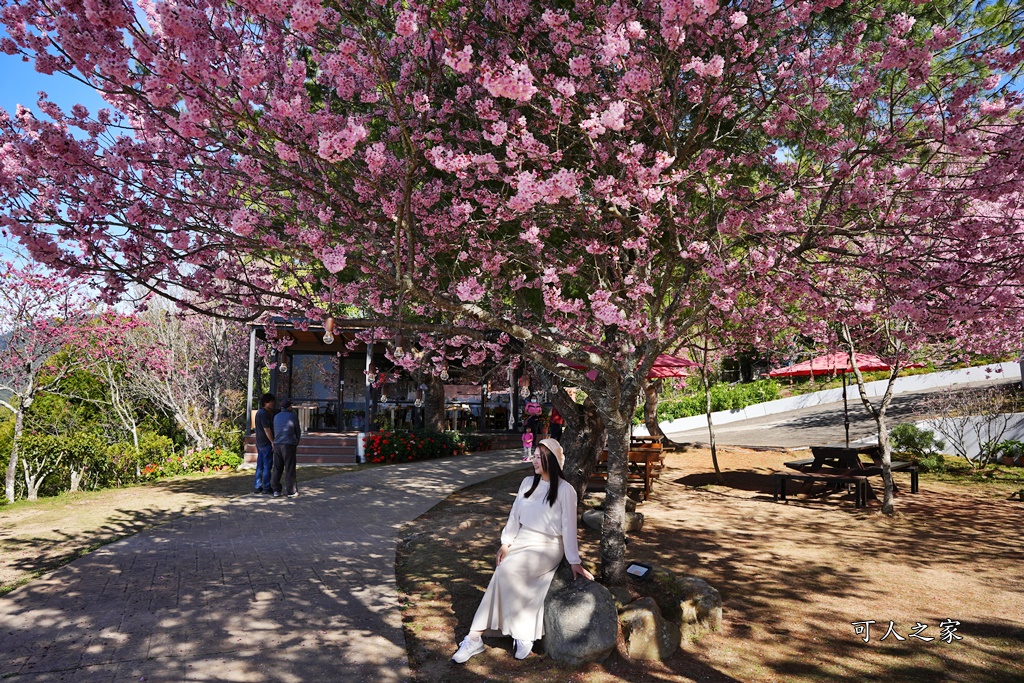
x,y
1007,371
969,436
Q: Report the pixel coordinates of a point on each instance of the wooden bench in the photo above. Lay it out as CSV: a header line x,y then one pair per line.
x,y
805,465
860,482
643,469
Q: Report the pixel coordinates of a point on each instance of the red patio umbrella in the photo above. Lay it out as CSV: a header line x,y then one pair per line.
x,y
831,364
664,366
834,364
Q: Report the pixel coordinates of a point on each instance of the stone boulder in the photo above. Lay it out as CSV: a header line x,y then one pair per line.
x,y
685,600
645,633
581,624
594,519
700,603
596,500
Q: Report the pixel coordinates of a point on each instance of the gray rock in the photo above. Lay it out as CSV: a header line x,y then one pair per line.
x,y
645,632
700,603
596,500
685,600
594,519
623,596
581,624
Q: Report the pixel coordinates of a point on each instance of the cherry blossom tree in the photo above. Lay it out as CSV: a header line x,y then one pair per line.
x,y
577,180
191,367
40,315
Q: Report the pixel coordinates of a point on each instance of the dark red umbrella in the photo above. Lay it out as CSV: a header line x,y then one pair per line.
x,y
831,364
664,366
834,364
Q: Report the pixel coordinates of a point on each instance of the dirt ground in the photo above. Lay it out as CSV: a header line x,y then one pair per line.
x,y
793,577
38,536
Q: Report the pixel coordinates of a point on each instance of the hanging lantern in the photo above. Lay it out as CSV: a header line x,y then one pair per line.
x,y
444,374
329,330
383,398
419,396
524,386
399,352
283,367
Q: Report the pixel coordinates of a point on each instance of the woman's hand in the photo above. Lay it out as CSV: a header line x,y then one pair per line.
x,y
579,570
502,552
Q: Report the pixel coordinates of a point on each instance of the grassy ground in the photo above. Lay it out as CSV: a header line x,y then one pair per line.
x,y
793,578
38,536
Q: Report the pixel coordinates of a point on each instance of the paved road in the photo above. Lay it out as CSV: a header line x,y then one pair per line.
x,y
258,589
818,425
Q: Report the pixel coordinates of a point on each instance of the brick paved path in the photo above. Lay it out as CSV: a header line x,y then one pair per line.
x,y
258,589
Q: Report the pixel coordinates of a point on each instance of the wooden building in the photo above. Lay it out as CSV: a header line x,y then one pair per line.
x,y
338,391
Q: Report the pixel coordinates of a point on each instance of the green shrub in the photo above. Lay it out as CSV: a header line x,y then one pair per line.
x,y
723,397
228,437
920,446
411,445
996,451
935,462
211,459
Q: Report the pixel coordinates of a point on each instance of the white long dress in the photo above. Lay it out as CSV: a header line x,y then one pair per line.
x,y
539,534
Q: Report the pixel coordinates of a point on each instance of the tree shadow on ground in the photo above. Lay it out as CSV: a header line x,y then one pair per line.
x,y
221,594
793,578
443,566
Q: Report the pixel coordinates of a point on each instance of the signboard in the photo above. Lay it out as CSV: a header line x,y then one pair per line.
x,y
462,393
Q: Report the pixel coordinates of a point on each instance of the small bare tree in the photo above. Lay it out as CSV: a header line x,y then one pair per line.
x,y
972,417
40,314
192,365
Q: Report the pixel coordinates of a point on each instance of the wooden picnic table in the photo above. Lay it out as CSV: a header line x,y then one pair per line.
x,y
644,466
838,465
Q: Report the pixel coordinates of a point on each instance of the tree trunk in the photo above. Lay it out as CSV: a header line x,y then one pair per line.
x,y
652,390
888,506
34,479
581,438
76,479
613,531
433,405
711,430
12,466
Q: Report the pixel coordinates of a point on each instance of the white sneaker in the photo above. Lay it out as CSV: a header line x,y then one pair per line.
x,y
523,648
467,648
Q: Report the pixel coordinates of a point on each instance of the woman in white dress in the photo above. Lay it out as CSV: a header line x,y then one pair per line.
x,y
541,529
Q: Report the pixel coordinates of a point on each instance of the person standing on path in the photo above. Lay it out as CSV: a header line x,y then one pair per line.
x,y
287,434
541,529
556,425
264,424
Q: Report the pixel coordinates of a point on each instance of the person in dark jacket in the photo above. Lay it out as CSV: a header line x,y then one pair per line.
x,y
264,444
287,434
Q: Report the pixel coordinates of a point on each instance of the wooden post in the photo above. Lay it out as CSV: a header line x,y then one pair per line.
x,y
514,397
367,408
252,379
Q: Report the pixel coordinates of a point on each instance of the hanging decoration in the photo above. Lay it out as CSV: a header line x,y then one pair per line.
x,y
329,330
399,351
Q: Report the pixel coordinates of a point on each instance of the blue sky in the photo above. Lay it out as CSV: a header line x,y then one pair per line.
x,y
20,83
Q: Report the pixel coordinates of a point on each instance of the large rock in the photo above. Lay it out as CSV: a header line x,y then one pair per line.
x,y
700,603
596,500
581,623
645,632
685,600
594,519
